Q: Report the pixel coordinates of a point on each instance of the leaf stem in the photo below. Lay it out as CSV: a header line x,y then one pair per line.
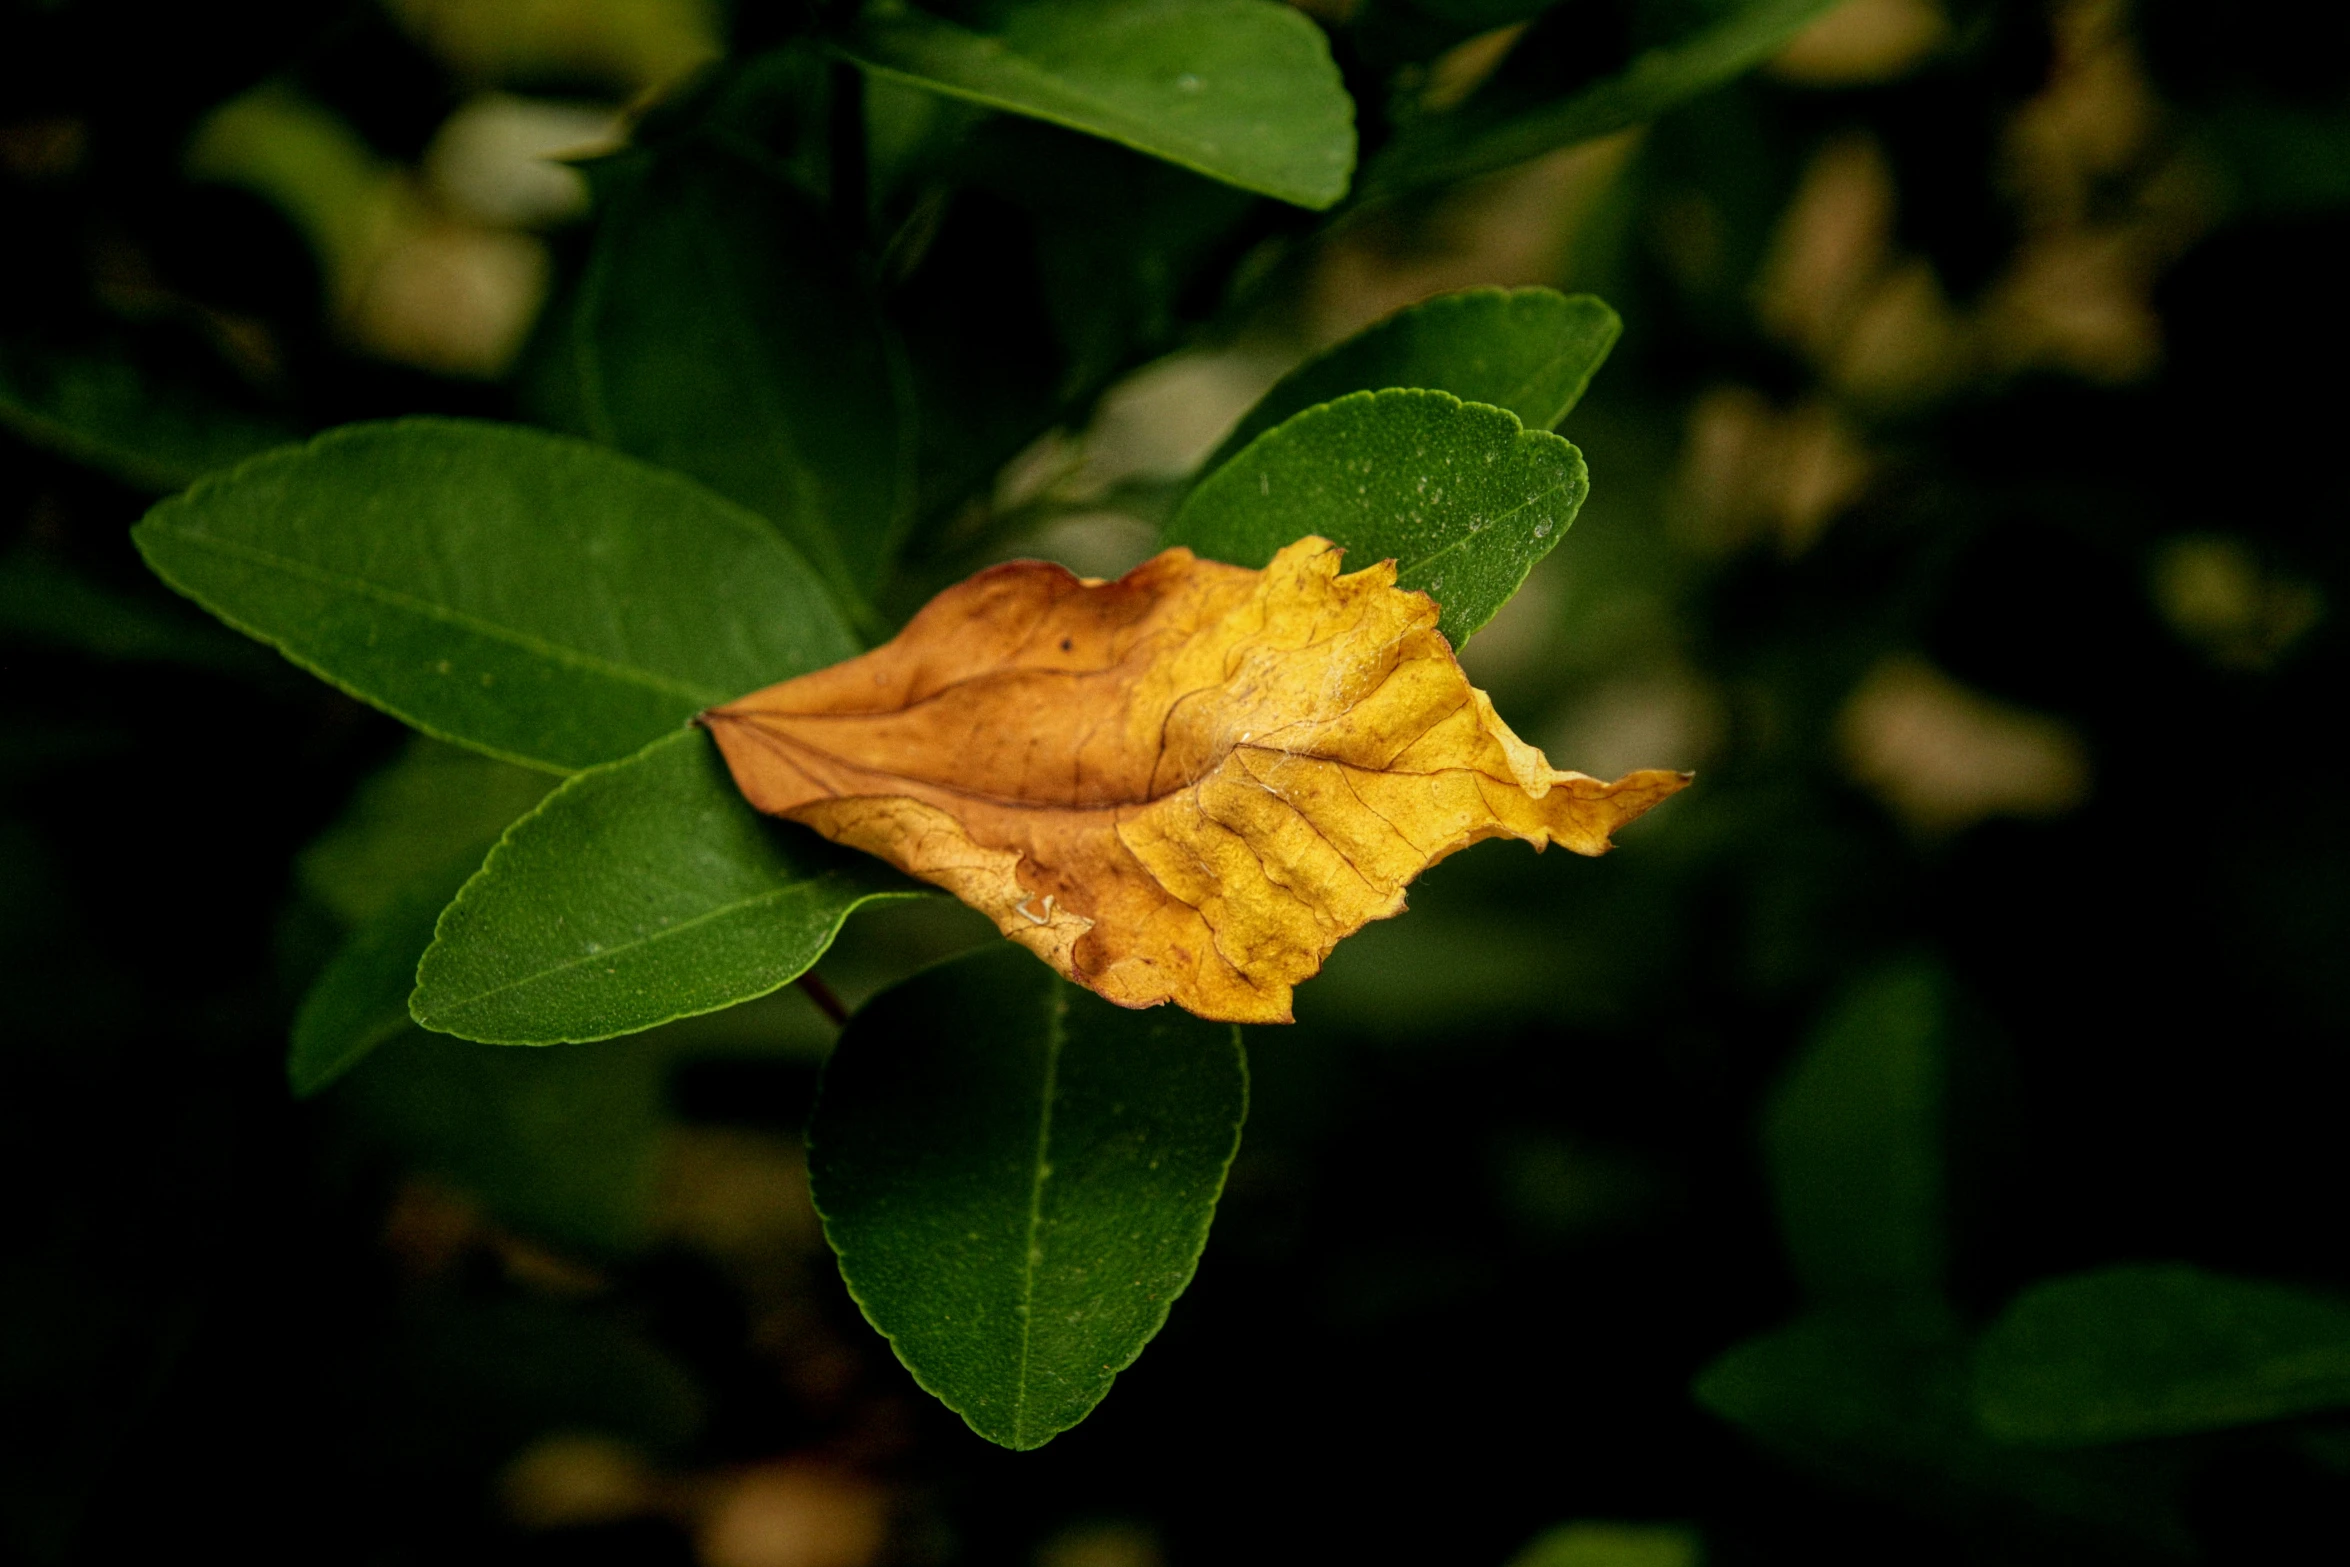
x,y
826,1002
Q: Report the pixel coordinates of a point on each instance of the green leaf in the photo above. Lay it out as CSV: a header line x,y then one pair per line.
x,y
45,602
1529,350
1242,91
1478,16
719,330
561,1144
1613,1545
1854,1139
433,807
1479,139
1120,239
360,999
1875,1397
536,598
2127,1353
410,838
1019,1177
471,1381
1461,496
146,420
638,893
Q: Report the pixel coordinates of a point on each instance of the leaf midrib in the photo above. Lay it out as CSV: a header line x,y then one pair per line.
x,y
360,587
624,948
1466,539
1056,1034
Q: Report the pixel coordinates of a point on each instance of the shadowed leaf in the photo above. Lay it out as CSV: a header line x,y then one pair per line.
x,y
409,839
1480,138
1854,1137
1529,350
156,426
361,998
1876,1397
2129,1353
718,331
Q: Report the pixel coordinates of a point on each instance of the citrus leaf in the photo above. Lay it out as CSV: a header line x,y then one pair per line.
x,y
1854,1139
1529,350
431,809
411,836
154,425
1018,1178
45,602
1187,785
1242,91
1479,139
2134,1352
564,1145
719,331
1614,1545
1460,496
533,597
637,893
1876,1396
360,999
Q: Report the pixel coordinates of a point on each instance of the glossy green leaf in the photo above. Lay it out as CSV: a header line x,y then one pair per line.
x,y
1482,137
720,330
1875,1397
531,596
1019,1177
2134,1352
1243,91
154,425
1460,495
1854,1139
1529,350
639,892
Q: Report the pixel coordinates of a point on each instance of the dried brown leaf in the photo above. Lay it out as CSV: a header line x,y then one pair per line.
x,y
1185,785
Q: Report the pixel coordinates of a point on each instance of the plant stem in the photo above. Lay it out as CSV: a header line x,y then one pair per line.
x,y
826,1002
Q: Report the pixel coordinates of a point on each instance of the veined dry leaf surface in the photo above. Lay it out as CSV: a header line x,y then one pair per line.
x,y
1185,785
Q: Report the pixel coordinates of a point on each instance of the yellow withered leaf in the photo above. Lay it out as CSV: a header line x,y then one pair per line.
x,y
1185,785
